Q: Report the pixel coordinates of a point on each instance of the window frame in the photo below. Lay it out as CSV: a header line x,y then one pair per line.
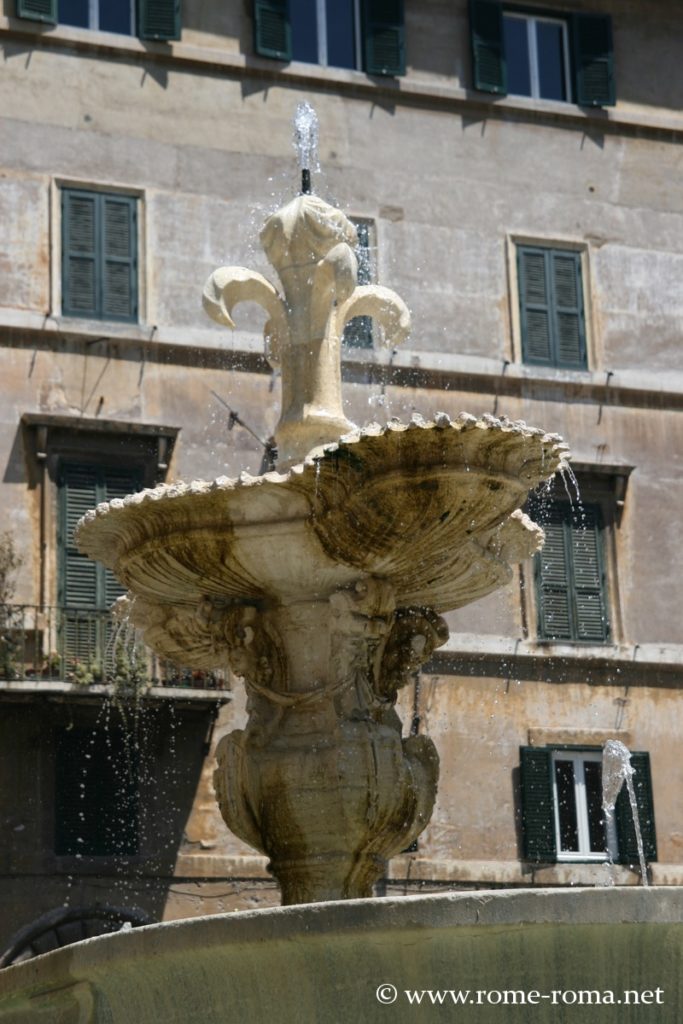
x,y
584,853
57,186
139,12
532,19
518,240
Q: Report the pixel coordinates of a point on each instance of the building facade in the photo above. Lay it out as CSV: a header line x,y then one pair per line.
x,y
514,172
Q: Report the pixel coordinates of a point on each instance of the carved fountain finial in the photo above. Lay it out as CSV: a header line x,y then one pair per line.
x,y
311,246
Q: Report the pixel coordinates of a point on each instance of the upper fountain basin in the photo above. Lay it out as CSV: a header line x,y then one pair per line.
x,y
431,507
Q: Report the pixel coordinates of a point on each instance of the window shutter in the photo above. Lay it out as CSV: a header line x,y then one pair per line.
x,y
384,37
79,585
589,578
79,257
593,60
534,305
567,295
626,831
38,10
119,299
488,54
117,484
538,821
96,793
272,29
553,580
159,19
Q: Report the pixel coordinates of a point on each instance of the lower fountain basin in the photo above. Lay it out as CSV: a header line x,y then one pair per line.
x,y
332,963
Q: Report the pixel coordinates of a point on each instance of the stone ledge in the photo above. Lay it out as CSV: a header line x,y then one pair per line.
x,y
354,83
28,689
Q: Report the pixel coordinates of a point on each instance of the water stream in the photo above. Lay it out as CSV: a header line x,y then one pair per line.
x,y
617,769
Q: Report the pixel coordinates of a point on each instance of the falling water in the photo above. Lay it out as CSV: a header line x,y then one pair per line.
x,y
617,769
306,142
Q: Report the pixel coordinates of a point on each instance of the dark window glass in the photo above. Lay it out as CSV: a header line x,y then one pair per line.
x,y
74,12
115,16
304,24
516,44
549,44
566,806
341,42
592,771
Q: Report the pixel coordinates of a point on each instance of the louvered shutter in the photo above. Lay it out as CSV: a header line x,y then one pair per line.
x,y
567,302
384,37
79,494
593,60
552,574
38,10
538,821
159,19
272,29
117,484
589,584
535,310
358,332
96,793
119,300
626,831
489,70
79,255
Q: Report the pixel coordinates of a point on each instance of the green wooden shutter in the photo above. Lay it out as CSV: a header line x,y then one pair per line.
x,y
117,484
118,257
588,576
569,340
538,819
626,831
38,10
79,253
489,71
159,19
358,332
96,793
534,305
593,60
272,29
383,37
551,307
552,576
78,494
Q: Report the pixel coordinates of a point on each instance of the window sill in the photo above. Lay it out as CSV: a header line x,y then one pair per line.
x,y
409,88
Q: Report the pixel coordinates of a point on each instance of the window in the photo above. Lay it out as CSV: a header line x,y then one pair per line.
x,y
569,574
96,792
86,589
358,332
99,255
562,816
149,19
551,307
568,58
367,34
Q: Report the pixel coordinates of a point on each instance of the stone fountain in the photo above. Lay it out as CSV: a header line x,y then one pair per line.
x,y
323,584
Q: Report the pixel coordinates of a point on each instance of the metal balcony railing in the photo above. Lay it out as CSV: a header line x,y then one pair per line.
x,y
85,647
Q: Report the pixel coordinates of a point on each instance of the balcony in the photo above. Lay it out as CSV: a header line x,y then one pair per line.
x,y
87,650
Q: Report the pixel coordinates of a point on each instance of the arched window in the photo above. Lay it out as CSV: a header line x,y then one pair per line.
x,y
65,925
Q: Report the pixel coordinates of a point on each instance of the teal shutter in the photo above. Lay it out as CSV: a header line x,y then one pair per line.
x,y
591,622
569,573
80,269
79,578
99,255
626,831
96,796
489,72
534,306
538,820
358,332
159,19
593,60
272,29
38,10
551,307
118,258
383,37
